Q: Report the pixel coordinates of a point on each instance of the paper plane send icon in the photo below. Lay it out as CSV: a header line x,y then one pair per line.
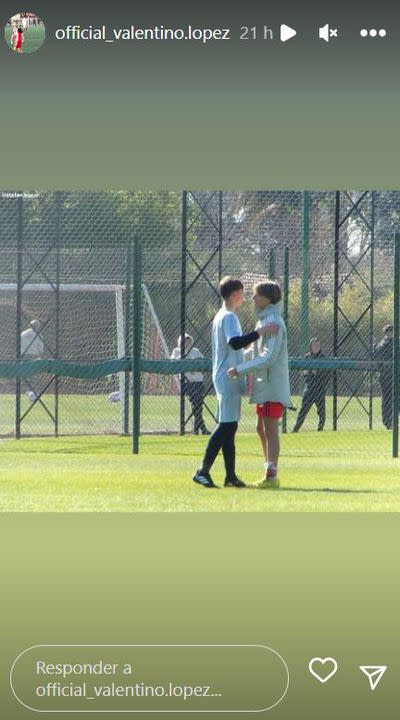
x,y
374,674
287,33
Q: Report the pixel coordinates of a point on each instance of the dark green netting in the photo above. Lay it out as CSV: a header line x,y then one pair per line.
x,y
94,371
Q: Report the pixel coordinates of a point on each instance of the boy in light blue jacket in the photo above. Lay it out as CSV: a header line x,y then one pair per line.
x,y
270,369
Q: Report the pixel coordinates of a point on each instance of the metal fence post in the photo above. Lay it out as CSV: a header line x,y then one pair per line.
x,y
182,422
58,204
137,341
372,311
286,267
20,234
305,283
396,345
336,306
272,264
127,327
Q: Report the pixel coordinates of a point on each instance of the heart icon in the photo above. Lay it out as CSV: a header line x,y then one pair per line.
x,y
323,668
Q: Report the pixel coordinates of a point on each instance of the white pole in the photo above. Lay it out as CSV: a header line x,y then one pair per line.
x,y
159,329
119,312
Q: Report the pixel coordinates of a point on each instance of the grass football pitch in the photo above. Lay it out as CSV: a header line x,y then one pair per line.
x,y
328,472
93,413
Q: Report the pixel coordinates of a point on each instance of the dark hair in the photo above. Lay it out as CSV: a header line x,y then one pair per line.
x,y
20,30
229,285
388,328
269,289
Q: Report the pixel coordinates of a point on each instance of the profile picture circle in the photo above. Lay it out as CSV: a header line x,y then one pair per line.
x,y
25,33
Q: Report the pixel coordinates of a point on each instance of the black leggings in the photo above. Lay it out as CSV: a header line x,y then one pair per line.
x,y
223,438
195,392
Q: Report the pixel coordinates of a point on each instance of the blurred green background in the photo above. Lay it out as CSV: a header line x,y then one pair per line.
x,y
306,585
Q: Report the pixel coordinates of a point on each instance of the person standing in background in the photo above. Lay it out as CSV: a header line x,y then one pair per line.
x,y
194,385
32,344
315,389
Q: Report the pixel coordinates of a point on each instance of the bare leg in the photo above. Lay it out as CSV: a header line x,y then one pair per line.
x,y
263,437
271,427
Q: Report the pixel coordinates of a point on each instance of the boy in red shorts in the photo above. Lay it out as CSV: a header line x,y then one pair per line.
x,y
18,39
270,368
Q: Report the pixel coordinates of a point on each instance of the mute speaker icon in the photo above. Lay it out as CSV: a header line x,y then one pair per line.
x,y
326,32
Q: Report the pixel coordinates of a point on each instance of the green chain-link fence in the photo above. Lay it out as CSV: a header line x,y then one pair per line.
x,y
66,262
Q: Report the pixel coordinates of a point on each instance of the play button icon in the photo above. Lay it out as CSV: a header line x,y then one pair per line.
x,y
287,33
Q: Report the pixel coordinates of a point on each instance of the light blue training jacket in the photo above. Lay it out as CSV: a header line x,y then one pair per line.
x,y
269,363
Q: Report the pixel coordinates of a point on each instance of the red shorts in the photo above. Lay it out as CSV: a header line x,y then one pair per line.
x,y
270,410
